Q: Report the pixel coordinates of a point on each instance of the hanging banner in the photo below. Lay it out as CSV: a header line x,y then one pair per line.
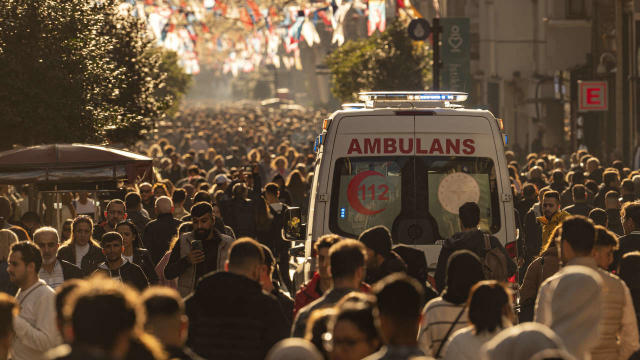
x,y
455,54
377,16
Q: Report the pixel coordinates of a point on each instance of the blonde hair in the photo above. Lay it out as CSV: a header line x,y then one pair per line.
x,y
7,238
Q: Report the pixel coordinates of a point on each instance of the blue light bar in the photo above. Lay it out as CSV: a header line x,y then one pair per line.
x,y
352,106
413,96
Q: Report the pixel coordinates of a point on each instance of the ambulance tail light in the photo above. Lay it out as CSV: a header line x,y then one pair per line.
x,y
325,124
500,124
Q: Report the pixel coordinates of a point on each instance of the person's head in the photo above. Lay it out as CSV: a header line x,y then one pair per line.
x,y
81,230
146,191
115,212
378,243
164,205
132,201
612,200
62,295
629,269
464,270
630,216
347,262
469,215
550,203
599,217
165,315
179,197
557,177
112,248
240,191
628,188
266,276
353,332
592,164
25,260
321,248
160,189
579,193
203,220
606,243
246,258
530,192
48,241
129,233
541,193
103,314
611,179
294,349
490,307
318,326
20,232
8,310
522,342
578,177
271,192
577,239
7,238
66,230
202,196
399,308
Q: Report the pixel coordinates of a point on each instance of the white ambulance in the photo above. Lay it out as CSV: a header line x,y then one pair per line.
x,y
407,160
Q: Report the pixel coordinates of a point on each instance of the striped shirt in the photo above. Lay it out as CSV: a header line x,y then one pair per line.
x,y
437,318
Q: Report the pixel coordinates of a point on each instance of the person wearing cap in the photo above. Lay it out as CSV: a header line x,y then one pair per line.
x,y
197,252
381,260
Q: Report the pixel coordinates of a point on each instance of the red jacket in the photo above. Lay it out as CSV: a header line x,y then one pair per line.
x,y
308,293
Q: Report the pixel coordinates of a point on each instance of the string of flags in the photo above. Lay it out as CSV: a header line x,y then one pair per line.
x,y
233,36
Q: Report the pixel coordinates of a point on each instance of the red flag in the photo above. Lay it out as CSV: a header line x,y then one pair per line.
x,y
245,18
255,9
400,4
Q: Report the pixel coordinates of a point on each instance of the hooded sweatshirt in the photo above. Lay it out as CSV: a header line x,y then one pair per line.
x,y
520,342
128,273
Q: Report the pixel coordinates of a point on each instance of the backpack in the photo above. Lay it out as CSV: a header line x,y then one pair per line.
x,y
494,263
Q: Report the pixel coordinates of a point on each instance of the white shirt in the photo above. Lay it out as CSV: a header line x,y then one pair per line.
x,y
35,326
437,317
81,251
128,258
85,209
53,279
464,344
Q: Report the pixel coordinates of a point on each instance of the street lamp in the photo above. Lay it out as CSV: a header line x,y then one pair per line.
x,y
601,69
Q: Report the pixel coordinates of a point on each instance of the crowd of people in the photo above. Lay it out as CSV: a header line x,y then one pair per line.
x,y
193,265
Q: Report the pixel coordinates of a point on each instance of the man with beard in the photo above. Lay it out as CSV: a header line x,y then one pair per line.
x,y
35,327
54,272
551,217
115,213
198,252
116,266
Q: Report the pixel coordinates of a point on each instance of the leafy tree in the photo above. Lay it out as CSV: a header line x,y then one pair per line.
x,y
384,61
76,71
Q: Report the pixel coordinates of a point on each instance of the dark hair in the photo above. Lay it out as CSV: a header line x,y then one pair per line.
x,y
551,194
609,176
487,300
162,301
557,176
116,202
578,177
30,253
111,236
132,200
8,310
238,190
464,270
245,252
269,260
469,214
361,316
346,256
202,196
629,269
529,190
325,242
628,186
30,216
579,192
631,210
580,233
612,194
272,188
200,209
599,216
179,195
20,232
62,295
137,240
105,303
400,297
605,237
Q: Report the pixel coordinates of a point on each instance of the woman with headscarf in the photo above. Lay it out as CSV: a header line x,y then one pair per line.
x,y
490,311
446,314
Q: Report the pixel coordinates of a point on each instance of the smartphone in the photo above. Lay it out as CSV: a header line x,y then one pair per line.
x,y
196,245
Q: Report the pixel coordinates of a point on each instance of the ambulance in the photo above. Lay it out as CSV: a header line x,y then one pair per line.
x,y
408,161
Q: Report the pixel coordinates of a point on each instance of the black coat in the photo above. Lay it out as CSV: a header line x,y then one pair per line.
x,y
579,209
627,244
393,263
232,318
158,234
90,261
142,258
70,271
129,273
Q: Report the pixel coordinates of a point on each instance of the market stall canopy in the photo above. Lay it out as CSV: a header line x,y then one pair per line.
x,y
71,163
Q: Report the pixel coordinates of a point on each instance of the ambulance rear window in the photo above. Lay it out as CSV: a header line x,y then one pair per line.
x,y
428,190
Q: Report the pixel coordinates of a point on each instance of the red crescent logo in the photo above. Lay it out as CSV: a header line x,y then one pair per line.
x,y
352,193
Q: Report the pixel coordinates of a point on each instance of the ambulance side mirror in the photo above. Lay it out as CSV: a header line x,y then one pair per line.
x,y
293,229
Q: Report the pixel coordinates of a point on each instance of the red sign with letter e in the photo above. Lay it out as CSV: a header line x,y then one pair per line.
x,y
593,96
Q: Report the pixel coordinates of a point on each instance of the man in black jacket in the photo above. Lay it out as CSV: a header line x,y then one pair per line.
x,y
135,213
381,260
630,216
53,271
470,238
231,316
117,266
580,205
159,232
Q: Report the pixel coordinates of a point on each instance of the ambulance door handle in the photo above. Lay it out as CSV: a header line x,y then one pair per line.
x,y
507,197
322,198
